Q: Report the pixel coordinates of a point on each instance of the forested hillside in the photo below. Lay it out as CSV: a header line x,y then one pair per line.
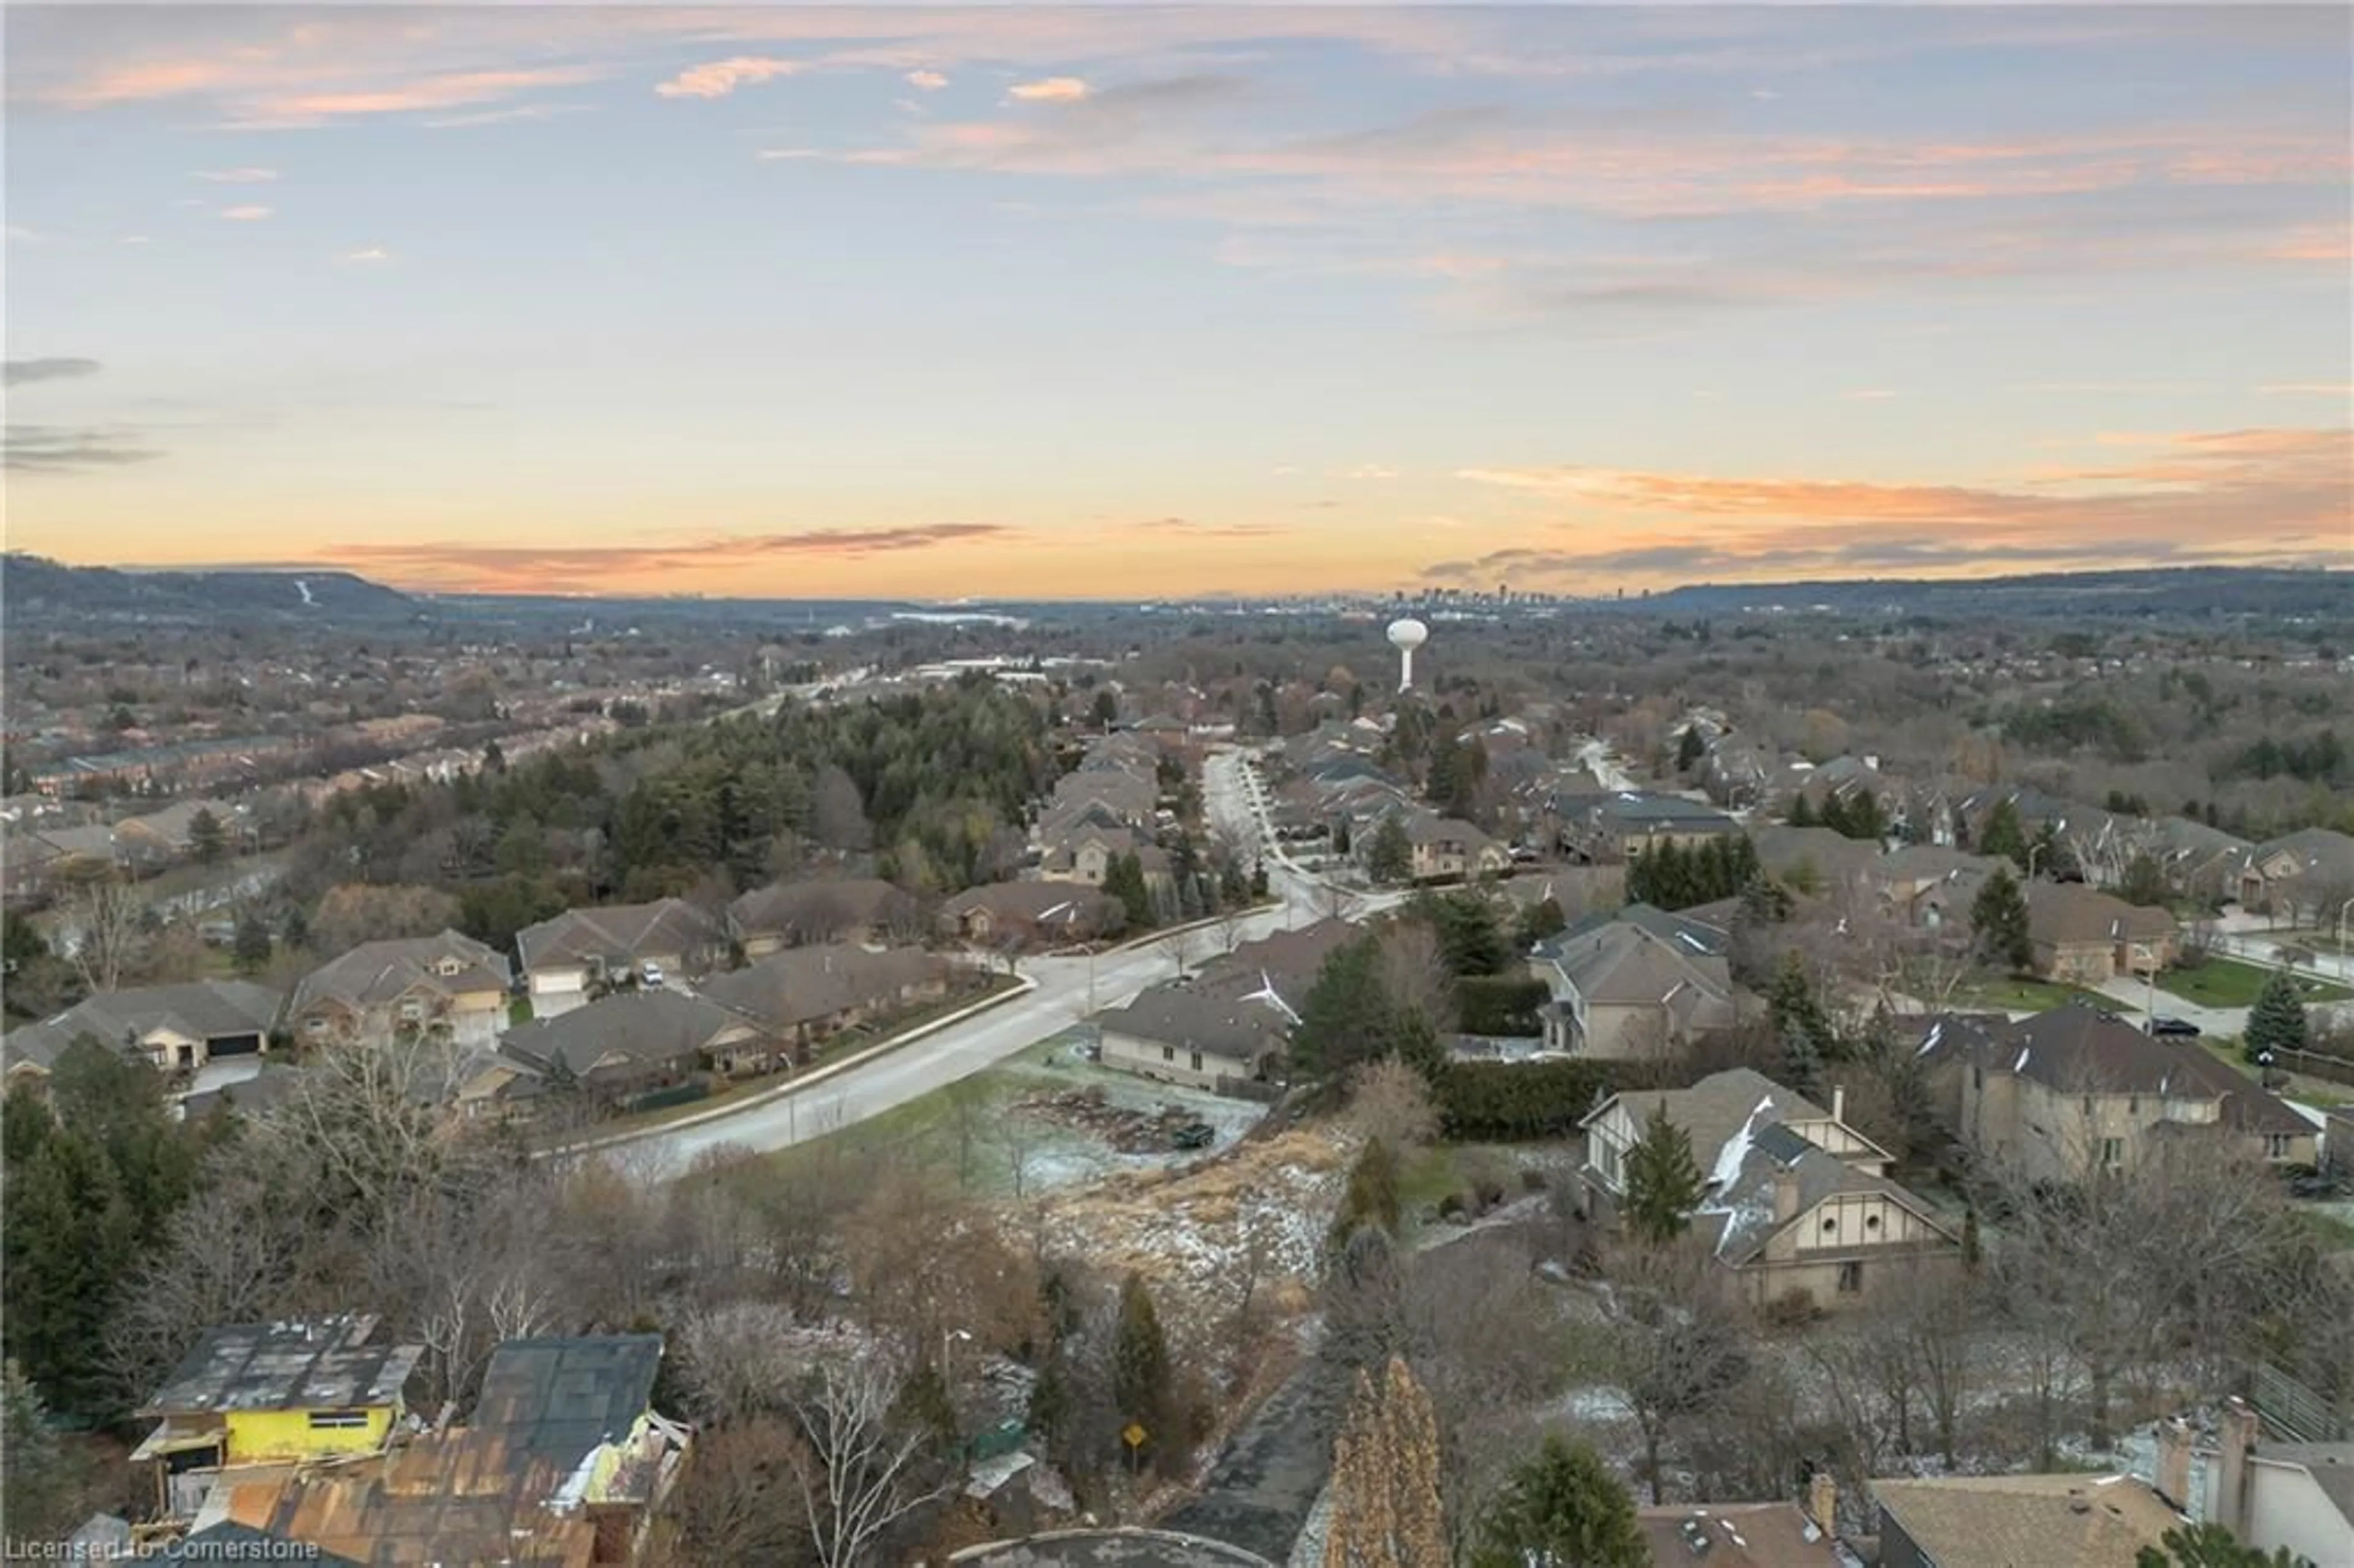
x,y
936,786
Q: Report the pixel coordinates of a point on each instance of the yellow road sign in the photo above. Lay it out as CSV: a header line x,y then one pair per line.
x,y
1133,1436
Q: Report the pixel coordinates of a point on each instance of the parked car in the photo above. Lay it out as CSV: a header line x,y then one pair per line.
x,y
650,976
2181,1027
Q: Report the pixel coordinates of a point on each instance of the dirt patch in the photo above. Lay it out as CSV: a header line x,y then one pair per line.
x,y
1125,1129
1199,1230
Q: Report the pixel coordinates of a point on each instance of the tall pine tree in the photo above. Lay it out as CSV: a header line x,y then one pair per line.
x,y
1664,1182
1562,1509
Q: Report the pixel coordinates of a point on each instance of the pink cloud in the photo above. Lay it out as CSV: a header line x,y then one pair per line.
x,y
721,78
1052,89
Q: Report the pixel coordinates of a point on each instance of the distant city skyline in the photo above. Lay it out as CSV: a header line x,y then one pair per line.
x,y
1162,303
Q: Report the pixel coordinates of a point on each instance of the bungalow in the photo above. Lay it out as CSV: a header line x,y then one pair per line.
x,y
178,1028
1624,823
261,1393
794,913
448,986
634,1038
581,948
1796,1203
1634,983
801,996
1178,1034
1924,887
1031,915
2087,938
2302,876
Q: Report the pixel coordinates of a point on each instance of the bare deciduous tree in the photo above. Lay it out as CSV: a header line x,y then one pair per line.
x,y
860,1471
105,920
1390,1103
1678,1344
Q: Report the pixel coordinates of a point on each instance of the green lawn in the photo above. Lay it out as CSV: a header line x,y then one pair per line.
x,y
2016,995
2227,983
518,1010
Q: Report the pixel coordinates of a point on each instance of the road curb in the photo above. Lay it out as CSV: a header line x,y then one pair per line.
x,y
1023,985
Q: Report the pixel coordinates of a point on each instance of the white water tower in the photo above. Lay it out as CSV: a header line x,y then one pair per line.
x,y
1406,636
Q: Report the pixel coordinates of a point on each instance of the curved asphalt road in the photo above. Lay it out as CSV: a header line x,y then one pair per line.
x,y
1059,1000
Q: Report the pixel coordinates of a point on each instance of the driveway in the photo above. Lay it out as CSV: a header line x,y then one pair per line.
x,y
2133,997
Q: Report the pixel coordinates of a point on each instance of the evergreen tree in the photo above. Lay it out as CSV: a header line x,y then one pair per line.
x,y
1564,1508
1690,749
1999,925
206,838
1863,817
1664,1182
45,1484
1799,1022
1540,920
2002,835
1106,709
1833,812
1389,854
1142,1385
1124,880
252,948
1802,811
2210,1545
2277,1022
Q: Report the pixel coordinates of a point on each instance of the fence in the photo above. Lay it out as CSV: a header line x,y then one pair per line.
x,y
2313,1064
2296,1411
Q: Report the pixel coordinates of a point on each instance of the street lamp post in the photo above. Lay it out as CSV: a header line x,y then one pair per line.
x,y
2342,908
2032,851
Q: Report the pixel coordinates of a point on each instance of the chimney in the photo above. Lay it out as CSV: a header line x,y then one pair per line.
x,y
1839,1103
2174,1464
2237,1446
1786,1194
1822,1503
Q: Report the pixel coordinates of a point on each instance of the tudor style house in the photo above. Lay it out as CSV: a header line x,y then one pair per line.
x,y
1797,1204
379,993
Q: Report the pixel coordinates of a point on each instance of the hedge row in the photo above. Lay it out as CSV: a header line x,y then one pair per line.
x,y
1503,1102
1501,1004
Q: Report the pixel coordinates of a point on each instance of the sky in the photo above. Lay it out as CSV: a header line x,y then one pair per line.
x,y
1143,302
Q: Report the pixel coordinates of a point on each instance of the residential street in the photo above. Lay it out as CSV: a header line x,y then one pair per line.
x,y
1060,1000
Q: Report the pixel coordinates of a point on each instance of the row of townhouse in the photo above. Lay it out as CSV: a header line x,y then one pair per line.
x,y
40,850
1107,807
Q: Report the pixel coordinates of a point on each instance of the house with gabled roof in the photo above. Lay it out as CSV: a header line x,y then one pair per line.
x,y
1634,983
842,910
634,1038
1177,1033
177,1028
1031,915
565,956
2077,1090
1796,1203
2085,937
2299,876
802,996
410,987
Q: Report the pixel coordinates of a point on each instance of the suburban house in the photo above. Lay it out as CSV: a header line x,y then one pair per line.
x,y
2198,861
2076,1090
2299,876
1633,983
801,996
1031,915
1283,964
795,914
1747,1535
563,1460
1623,823
1796,1203
2086,937
581,948
1926,888
2271,1495
1448,848
382,991
1178,1034
260,1393
636,1038
178,1028
1817,861
2012,1521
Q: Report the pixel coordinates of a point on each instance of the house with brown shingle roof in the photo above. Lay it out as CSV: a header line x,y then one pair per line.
x,y
2019,1521
1796,1203
1633,983
2085,936
2077,1090
413,987
634,1038
844,909
802,996
1031,915
565,956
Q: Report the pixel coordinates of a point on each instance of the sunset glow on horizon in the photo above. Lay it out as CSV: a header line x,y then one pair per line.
x,y
1156,303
